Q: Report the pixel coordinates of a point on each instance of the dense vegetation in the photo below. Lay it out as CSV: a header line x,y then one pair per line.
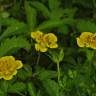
x,y
68,70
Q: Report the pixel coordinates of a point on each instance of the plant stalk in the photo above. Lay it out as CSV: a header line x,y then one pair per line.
x,y
58,71
38,59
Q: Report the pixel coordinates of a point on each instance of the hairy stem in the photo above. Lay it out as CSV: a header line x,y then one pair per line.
x,y
58,71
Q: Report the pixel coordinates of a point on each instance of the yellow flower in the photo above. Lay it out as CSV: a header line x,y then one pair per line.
x,y
51,40
8,67
44,41
85,39
41,47
37,36
93,41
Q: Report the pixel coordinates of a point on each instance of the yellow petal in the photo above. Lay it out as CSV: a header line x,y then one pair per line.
x,y
43,49
36,35
19,64
50,37
93,45
8,58
40,47
37,47
1,75
53,45
7,77
86,34
80,43
15,72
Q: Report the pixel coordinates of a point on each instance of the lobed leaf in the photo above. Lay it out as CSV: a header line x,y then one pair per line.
x,y
10,45
31,16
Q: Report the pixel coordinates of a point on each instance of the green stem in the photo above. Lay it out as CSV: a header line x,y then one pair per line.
x,y
58,71
38,59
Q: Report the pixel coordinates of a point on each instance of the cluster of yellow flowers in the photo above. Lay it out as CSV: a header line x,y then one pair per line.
x,y
44,41
87,39
8,64
8,67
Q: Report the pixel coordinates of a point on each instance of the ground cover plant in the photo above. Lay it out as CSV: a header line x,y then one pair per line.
x,y
47,48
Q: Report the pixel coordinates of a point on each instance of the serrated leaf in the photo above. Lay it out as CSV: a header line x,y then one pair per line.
x,y
8,21
25,73
51,87
43,74
49,24
31,15
69,12
4,87
56,56
54,23
56,11
16,29
42,8
57,14
17,87
8,45
31,89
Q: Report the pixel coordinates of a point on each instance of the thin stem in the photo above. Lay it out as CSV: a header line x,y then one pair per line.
x,y
38,59
58,71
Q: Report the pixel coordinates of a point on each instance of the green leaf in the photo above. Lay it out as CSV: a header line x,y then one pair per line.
x,y
8,21
61,54
2,93
89,54
54,23
51,87
31,16
49,24
57,55
56,10
57,14
43,74
3,87
42,8
8,46
16,29
69,12
63,29
31,89
53,4
17,87
25,73
84,25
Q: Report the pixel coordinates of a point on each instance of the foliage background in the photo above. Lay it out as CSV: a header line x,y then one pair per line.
x,y
65,18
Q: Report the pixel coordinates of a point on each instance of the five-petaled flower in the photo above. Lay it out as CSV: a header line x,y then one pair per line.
x,y
87,39
44,41
8,67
